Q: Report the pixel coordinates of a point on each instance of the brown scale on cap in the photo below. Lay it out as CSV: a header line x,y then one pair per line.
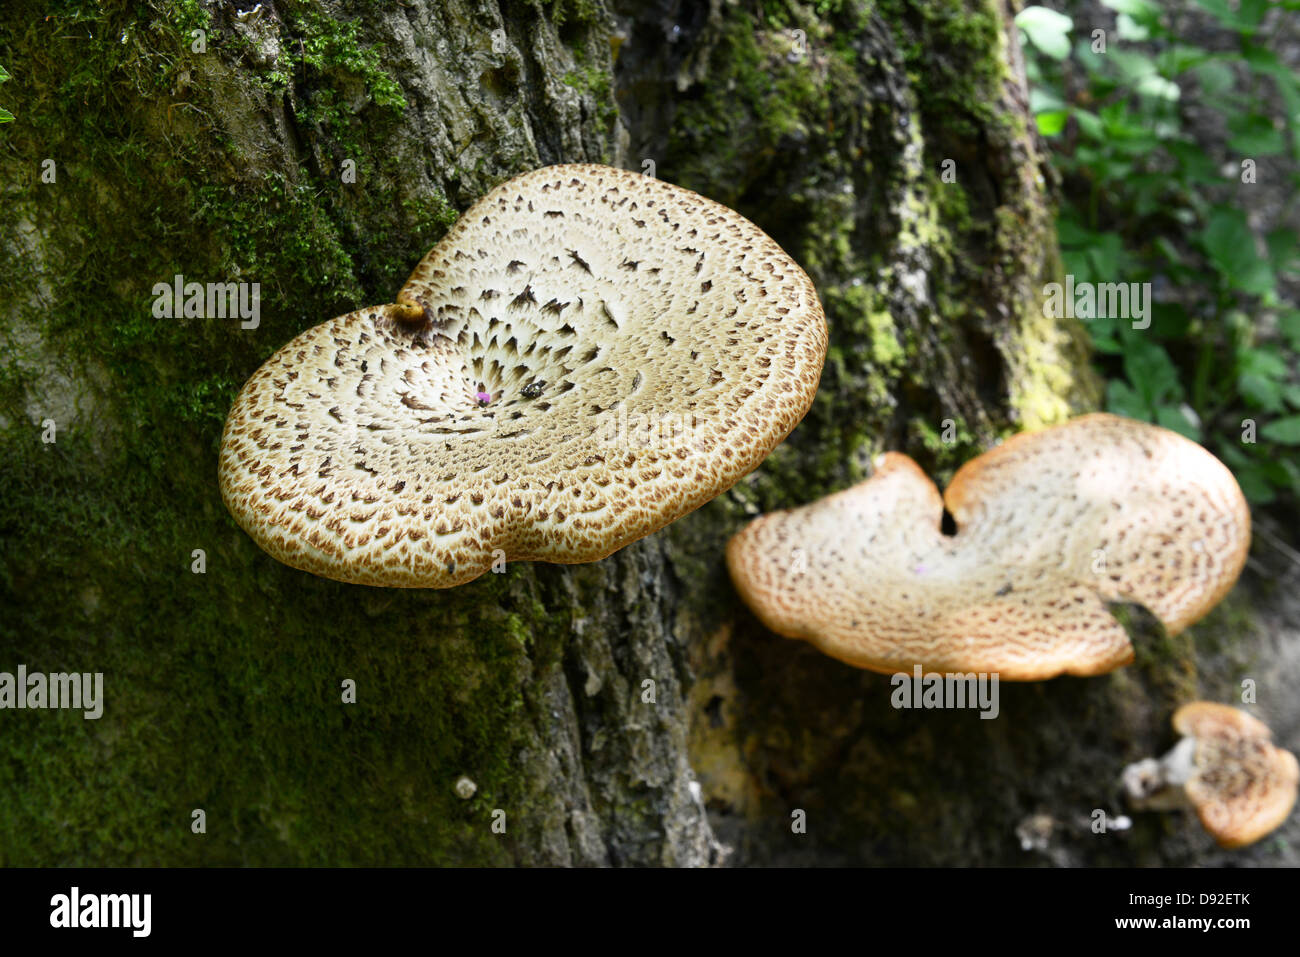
x,y
588,355
1050,526
1226,768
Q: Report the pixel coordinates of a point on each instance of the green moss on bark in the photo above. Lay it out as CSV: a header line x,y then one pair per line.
x,y
213,681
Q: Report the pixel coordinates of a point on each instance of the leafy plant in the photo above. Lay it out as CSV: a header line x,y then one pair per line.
x,y
1145,202
5,115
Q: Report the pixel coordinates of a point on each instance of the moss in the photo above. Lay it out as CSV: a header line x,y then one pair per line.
x,y
1166,663
1049,378
870,217
859,307
189,15
572,11
953,48
214,681
599,84
948,445
1045,380
332,45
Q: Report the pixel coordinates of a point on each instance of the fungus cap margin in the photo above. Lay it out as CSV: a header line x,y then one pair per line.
x,y
1243,786
641,349
1050,526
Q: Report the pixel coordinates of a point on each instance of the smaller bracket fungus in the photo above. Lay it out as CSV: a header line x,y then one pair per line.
x,y
1226,768
1051,526
487,413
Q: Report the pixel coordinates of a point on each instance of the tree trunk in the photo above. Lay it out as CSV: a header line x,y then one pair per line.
x,y
629,711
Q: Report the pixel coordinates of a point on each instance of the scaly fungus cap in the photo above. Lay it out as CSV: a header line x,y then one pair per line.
x,y
1241,785
586,356
1050,526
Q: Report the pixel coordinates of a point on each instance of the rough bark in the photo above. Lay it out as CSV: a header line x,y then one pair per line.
x,y
223,688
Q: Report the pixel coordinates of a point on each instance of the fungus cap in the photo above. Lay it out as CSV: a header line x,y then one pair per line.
x,y
586,356
1242,786
1050,526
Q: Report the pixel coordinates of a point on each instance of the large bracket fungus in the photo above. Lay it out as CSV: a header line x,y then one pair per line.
x,y
586,356
1051,526
1226,768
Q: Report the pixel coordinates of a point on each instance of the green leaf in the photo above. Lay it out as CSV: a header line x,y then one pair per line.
x,y
4,74
1182,57
1261,59
1076,261
1072,233
5,116
1234,456
1050,124
1197,168
1283,431
1251,12
1123,400
1105,334
1215,78
1230,244
1137,9
1260,375
1263,360
1254,485
1126,28
1103,258
1158,87
1275,471
1132,65
1289,323
1260,392
1175,418
1045,101
1283,250
1254,135
1152,373
1047,30
1244,19
1090,125
1094,64
1265,62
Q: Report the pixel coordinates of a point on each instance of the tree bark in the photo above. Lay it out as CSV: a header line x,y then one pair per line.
x,y
625,712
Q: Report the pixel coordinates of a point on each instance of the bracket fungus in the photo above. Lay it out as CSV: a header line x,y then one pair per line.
x,y
586,356
1226,768
1051,525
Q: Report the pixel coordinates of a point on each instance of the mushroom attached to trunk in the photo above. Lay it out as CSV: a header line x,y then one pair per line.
x,y
1051,526
1226,768
586,356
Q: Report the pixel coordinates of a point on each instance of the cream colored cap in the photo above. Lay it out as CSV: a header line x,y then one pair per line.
x,y
1050,526
586,356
